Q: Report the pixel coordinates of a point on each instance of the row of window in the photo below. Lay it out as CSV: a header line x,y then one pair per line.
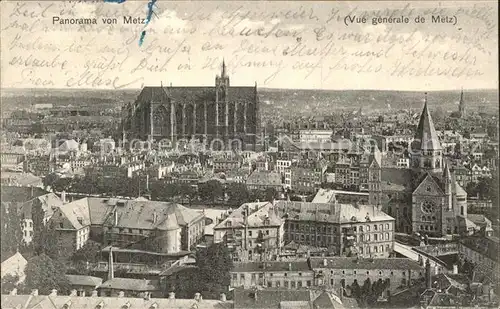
x,y
376,249
329,229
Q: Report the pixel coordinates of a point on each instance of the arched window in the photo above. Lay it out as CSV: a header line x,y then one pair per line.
x,y
438,163
160,121
462,210
427,163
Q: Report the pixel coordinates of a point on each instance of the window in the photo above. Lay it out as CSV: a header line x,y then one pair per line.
x,y
374,227
308,282
387,236
367,228
235,277
299,284
278,283
375,237
375,249
242,276
250,233
269,284
387,226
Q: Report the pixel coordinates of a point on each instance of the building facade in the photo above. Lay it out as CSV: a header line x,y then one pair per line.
x,y
287,275
221,113
252,231
345,229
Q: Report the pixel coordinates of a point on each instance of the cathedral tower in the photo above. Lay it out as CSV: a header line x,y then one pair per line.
x,y
426,149
461,104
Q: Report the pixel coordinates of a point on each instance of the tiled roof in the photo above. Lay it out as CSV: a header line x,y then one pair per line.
x,y
330,212
194,94
270,266
139,213
258,213
295,305
268,178
268,299
127,284
75,210
327,301
426,136
324,196
84,280
368,264
58,302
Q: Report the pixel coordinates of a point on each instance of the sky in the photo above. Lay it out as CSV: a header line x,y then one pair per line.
x,y
305,45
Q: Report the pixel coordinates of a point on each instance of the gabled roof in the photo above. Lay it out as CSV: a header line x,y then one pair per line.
x,y
78,302
268,299
327,301
128,284
77,213
84,280
194,94
426,137
258,213
366,264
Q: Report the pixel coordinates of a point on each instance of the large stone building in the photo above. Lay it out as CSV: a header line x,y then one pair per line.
x,y
224,112
425,198
345,229
157,227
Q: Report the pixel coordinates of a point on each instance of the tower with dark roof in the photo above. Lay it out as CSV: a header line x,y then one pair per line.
x,y
426,147
461,104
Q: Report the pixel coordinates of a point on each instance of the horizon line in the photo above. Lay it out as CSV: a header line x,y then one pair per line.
x,y
265,88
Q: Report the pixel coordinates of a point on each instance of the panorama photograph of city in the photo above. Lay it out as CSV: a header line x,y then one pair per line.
x,y
249,155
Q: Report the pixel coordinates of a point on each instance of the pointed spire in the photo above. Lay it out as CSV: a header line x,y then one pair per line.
x,y
446,172
223,68
426,135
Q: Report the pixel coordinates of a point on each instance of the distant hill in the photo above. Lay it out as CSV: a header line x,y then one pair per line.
x,y
275,103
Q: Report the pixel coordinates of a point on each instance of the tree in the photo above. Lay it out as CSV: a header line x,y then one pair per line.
x,y
238,193
214,266
210,190
45,274
11,230
270,194
90,252
9,282
187,191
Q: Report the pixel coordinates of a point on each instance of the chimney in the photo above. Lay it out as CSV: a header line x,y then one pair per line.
x,y
197,297
121,294
53,292
34,292
222,296
111,272
73,293
147,295
455,269
94,293
325,262
428,279
67,305
171,295
63,197
115,218
127,305
13,292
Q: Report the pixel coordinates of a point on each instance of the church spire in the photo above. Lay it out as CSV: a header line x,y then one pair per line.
x,y
426,134
223,68
461,103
